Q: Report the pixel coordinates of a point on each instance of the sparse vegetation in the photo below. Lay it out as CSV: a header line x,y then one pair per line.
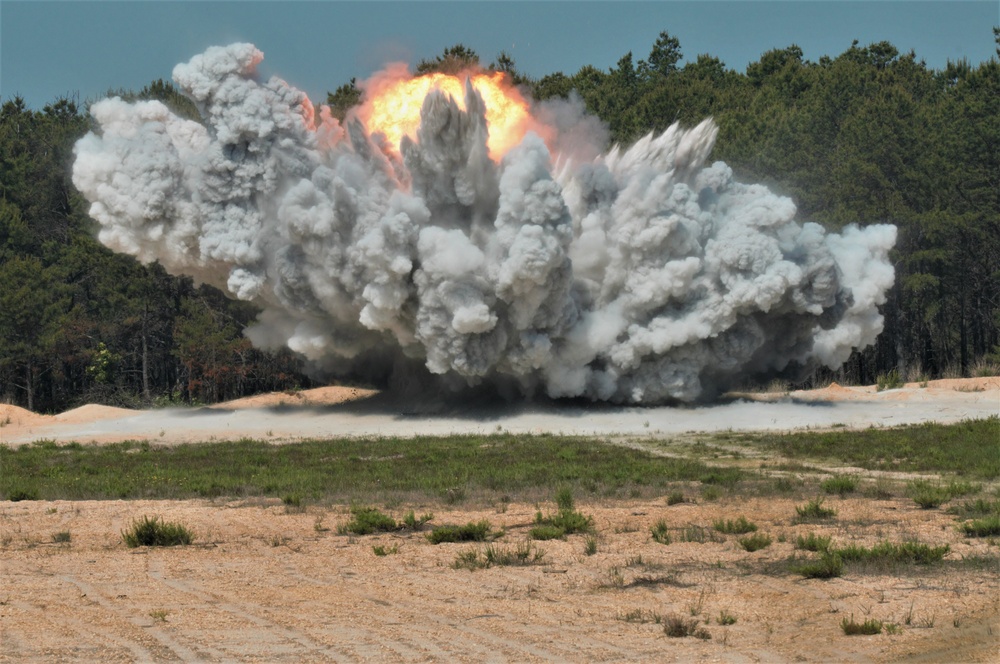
x,y
812,542
564,522
828,566
839,484
755,542
738,527
590,546
62,537
726,618
676,626
891,553
661,532
868,627
675,498
889,381
151,531
814,510
499,555
988,526
381,550
474,531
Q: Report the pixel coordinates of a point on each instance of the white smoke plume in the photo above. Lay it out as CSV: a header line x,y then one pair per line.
x,y
643,275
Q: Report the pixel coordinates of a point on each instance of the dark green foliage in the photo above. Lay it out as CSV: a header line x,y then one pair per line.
x,y
890,553
755,542
661,532
546,532
889,381
978,507
343,99
812,542
738,527
151,531
499,555
474,531
839,484
368,520
564,522
814,510
868,627
988,526
675,498
929,495
828,566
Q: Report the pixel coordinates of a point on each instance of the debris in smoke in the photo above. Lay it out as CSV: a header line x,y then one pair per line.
x,y
641,275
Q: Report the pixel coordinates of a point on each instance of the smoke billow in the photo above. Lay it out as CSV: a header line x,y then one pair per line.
x,y
641,275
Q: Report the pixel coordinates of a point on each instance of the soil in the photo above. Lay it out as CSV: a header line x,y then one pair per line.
x,y
264,582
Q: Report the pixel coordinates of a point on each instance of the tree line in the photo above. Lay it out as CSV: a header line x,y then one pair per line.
x,y
869,136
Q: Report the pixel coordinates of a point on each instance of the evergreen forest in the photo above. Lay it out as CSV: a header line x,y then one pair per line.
x,y
870,136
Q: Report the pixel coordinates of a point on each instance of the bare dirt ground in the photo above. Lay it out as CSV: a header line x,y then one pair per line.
x,y
264,584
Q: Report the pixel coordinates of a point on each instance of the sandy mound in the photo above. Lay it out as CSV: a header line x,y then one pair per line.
x,y
320,396
17,416
92,412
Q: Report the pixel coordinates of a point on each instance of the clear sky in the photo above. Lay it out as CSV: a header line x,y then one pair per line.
x,y
50,49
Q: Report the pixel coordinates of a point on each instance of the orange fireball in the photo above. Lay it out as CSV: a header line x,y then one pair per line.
x,y
393,107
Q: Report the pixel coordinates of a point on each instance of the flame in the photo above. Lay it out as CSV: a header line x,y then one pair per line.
x,y
393,108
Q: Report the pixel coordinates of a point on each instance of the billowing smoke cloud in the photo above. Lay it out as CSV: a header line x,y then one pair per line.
x,y
642,275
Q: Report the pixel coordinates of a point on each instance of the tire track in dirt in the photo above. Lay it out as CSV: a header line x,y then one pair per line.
x,y
155,570
166,642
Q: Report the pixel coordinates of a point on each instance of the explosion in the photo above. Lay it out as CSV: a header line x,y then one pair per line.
x,y
393,107
431,235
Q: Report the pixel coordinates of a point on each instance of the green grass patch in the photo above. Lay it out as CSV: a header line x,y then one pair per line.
x,y
839,484
891,553
974,508
660,532
828,566
988,526
755,542
474,531
968,448
368,520
814,511
499,555
868,627
151,531
812,542
738,527
361,470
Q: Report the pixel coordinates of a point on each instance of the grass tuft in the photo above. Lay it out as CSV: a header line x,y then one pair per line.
x,y
151,531
814,510
676,626
474,531
828,566
840,484
661,532
498,555
755,542
738,527
988,526
812,542
868,627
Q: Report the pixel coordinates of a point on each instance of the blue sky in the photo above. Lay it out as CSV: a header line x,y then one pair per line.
x,y
49,49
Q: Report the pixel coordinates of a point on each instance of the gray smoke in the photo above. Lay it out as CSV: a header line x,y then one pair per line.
x,y
641,275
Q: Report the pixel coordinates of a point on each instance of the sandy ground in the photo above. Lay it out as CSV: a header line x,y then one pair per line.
x,y
260,584
263,584
343,411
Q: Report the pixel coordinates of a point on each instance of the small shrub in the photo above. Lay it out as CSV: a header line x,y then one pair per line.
x,y
694,533
546,532
889,381
564,500
755,542
676,626
828,566
839,484
978,507
814,510
890,553
738,527
675,498
710,493
868,627
986,527
19,494
726,618
292,500
368,520
411,522
495,555
812,542
62,537
590,546
926,495
153,532
380,550
640,616
660,532
474,531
